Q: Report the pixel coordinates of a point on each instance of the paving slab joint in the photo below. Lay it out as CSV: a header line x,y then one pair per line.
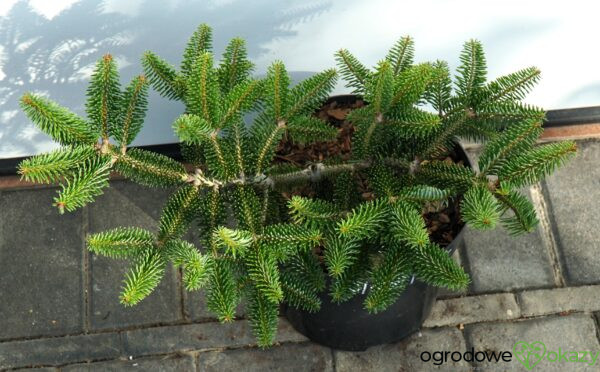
x,y
86,275
333,365
596,319
547,233
182,296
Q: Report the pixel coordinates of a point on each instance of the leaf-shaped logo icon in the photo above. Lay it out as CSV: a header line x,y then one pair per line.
x,y
529,354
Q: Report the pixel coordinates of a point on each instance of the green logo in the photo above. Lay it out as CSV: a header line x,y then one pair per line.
x,y
529,354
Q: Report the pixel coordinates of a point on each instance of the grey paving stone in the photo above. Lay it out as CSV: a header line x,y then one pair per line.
x,y
150,200
406,355
574,193
40,266
200,337
195,303
499,262
473,309
290,357
59,350
545,301
113,209
41,369
168,363
558,334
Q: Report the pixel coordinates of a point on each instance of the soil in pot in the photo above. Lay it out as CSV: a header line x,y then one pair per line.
x,y
443,222
348,326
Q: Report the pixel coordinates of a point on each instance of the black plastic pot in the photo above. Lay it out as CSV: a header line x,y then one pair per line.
x,y
348,326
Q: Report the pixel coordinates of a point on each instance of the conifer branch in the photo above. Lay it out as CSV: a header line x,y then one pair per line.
x,y
247,207
299,293
379,89
352,70
440,88
235,242
211,214
514,86
267,147
162,76
364,220
340,254
529,167
277,85
307,95
240,99
199,43
472,71
196,266
401,55
263,315
143,278
122,242
411,84
433,265
408,225
52,166
312,212
151,169
389,280
222,296
524,218
104,96
178,213
133,110
262,269
235,67
84,185
290,235
62,125
515,138
193,129
479,208
308,129
203,95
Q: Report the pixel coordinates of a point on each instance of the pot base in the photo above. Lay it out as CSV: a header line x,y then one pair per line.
x,y
348,326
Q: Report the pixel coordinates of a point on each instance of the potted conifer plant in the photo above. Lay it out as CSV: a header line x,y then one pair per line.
x,y
345,211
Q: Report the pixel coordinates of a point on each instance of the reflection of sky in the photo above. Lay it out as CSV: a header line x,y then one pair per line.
x,y
51,46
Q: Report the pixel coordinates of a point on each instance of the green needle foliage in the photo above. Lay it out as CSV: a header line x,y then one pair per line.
x,y
83,186
143,278
104,94
272,232
122,242
480,209
50,167
84,162
64,126
196,266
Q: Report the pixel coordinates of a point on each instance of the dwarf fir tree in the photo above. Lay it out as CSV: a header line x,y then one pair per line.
x,y
257,245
